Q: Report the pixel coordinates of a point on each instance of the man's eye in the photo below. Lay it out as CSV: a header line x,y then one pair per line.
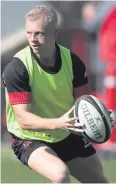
x,y
28,32
39,34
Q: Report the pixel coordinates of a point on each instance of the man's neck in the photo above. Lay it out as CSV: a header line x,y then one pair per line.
x,y
49,56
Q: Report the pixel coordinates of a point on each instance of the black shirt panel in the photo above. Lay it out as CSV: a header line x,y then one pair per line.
x,y
15,76
79,71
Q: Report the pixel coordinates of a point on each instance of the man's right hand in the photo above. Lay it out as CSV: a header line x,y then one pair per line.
x,y
70,123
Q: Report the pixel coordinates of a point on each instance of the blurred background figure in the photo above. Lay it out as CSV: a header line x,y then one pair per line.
x,y
93,15
89,11
88,28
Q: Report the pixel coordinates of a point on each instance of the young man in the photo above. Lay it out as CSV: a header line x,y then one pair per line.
x,y
42,83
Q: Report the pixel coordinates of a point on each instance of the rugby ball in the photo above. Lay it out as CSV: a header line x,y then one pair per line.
x,y
95,117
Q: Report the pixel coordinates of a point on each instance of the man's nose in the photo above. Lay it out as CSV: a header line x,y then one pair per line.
x,y
33,38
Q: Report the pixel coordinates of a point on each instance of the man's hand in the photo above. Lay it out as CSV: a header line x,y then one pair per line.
x,y
79,128
113,118
112,115
70,123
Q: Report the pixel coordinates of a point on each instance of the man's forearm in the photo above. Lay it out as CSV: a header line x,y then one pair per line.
x,y
29,121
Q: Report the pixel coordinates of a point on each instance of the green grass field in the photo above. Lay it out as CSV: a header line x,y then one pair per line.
x,y
12,171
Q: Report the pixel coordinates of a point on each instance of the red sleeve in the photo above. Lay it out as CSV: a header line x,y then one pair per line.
x,y
20,98
108,38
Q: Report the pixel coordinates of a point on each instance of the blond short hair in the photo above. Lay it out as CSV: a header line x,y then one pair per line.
x,y
44,13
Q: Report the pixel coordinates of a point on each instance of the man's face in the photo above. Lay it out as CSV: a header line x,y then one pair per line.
x,y
40,37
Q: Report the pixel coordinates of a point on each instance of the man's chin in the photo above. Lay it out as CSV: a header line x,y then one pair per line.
x,y
36,51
